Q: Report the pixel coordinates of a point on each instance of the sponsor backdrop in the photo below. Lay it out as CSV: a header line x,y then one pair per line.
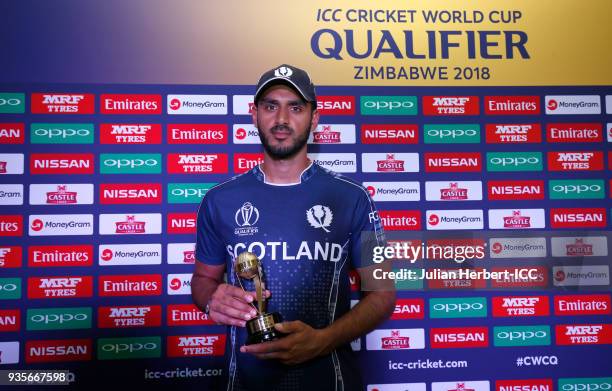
x,y
487,126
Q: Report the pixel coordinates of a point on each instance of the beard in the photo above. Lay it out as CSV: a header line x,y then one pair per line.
x,y
284,152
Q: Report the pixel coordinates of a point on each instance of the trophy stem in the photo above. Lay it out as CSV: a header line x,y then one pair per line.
x,y
244,290
259,291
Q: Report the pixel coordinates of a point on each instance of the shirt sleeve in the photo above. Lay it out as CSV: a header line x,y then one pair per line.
x,y
366,231
210,248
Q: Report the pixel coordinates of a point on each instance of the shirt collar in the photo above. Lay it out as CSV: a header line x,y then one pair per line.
x,y
304,176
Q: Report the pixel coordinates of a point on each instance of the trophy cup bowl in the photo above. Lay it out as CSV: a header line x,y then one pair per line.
x,y
261,327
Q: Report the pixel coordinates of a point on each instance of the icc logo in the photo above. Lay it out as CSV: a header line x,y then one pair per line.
x,y
283,72
247,215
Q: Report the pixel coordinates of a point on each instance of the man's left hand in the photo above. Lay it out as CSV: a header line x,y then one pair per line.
x,y
301,343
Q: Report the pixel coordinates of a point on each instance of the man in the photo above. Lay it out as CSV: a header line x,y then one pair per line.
x,y
305,224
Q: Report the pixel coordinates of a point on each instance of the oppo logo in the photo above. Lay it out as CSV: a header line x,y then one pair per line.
x,y
388,105
8,287
567,189
131,163
58,318
452,133
458,307
587,387
521,335
188,192
131,347
63,133
514,161
10,102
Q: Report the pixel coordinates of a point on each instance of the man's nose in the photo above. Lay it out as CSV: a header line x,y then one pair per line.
x,y
282,115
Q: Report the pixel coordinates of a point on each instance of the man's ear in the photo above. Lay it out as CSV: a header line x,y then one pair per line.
x,y
254,114
314,121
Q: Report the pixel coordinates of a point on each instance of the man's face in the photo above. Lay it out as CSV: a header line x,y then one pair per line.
x,y
284,121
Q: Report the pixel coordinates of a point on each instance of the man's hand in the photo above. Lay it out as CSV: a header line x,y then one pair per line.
x,y
230,305
302,343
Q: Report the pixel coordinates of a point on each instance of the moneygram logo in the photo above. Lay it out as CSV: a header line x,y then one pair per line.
x,y
513,133
393,191
129,316
58,318
336,105
584,334
197,104
179,284
517,247
453,191
11,194
10,257
51,256
585,275
516,218
389,134
196,345
244,162
458,307
181,223
130,104
390,162
60,225
184,163
61,163
515,190
61,194
574,133
338,162
181,253
400,220
395,339
520,306
128,224
12,133
453,162
130,254
130,285
197,134
129,348
575,161
130,193
452,134
62,103
130,163
388,105
450,105
245,134
12,103
409,309
514,161
459,337
582,246
59,350
186,315
10,288
333,134
577,305
512,105
60,287
567,189
187,193
61,133
130,134
454,219
578,217
521,336
573,104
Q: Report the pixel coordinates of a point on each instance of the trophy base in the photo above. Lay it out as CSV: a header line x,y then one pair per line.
x,y
261,328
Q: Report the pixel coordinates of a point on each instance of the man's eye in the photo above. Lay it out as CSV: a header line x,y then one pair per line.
x,y
270,107
297,109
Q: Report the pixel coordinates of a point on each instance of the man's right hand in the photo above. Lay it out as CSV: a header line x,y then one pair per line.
x,y
230,305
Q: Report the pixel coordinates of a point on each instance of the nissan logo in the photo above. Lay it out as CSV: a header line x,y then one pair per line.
x,y
131,163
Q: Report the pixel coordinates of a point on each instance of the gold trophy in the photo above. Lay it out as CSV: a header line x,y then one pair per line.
x,y
261,328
